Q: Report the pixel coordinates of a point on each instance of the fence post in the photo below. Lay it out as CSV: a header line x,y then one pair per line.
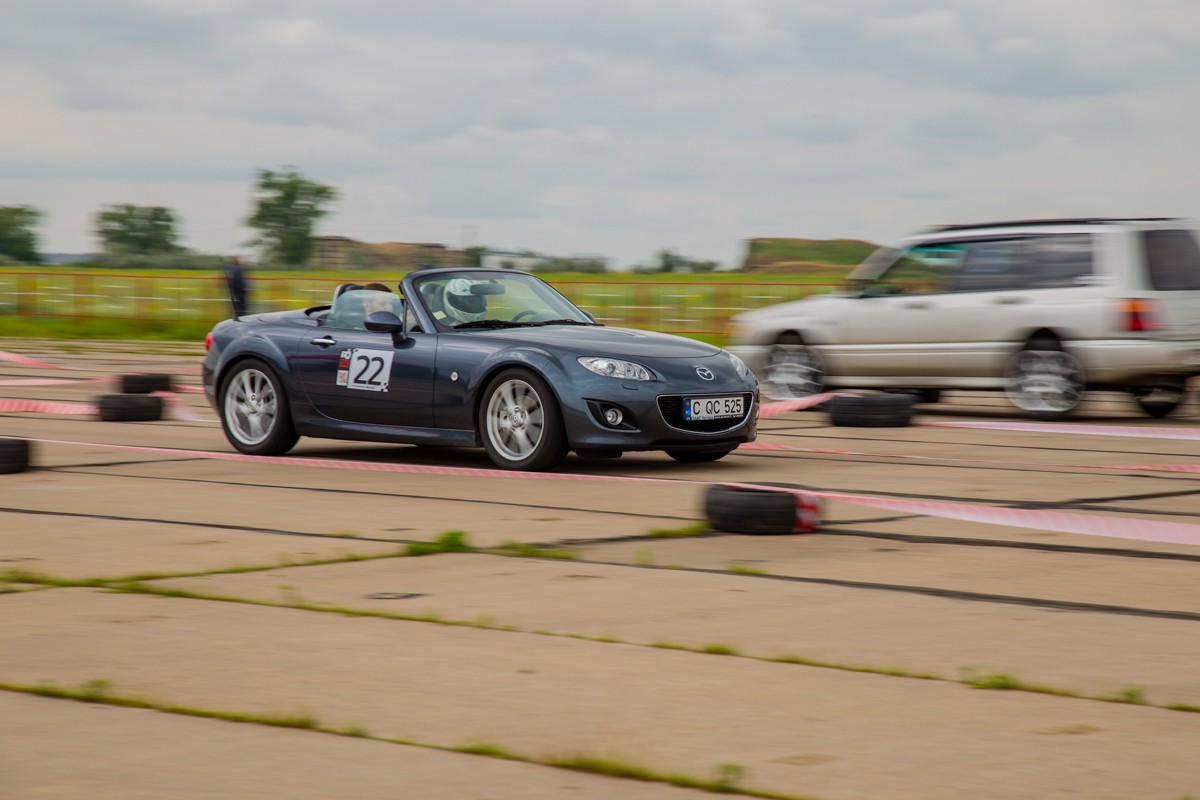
x,y
82,294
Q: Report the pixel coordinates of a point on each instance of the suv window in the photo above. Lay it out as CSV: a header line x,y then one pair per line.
x,y
1173,259
992,266
1059,261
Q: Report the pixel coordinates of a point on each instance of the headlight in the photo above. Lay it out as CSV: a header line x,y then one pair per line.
x,y
742,370
615,368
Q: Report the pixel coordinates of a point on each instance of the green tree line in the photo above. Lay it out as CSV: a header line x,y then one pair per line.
x,y
286,208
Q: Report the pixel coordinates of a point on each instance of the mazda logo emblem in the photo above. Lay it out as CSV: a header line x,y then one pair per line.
x,y
705,373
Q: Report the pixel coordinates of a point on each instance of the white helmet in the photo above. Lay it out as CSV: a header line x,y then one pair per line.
x,y
461,303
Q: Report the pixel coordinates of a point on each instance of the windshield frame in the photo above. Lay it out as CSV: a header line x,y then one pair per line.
x,y
427,287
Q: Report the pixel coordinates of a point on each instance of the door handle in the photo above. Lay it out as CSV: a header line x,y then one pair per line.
x,y
1010,301
914,304
324,341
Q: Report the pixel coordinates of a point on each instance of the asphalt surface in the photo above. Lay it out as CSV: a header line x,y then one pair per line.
x,y
179,625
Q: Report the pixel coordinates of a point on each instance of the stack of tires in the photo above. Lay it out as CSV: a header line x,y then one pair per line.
x,y
136,403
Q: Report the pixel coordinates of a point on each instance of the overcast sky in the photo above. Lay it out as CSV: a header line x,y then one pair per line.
x,y
615,127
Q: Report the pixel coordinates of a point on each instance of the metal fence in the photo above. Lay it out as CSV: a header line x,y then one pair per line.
x,y
690,308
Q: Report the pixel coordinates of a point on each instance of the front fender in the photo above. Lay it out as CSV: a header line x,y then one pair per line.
x,y
464,369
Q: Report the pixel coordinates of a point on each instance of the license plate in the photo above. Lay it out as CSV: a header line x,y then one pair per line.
x,y
701,408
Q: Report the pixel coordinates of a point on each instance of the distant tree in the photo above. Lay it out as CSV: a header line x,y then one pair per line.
x,y
287,207
137,230
18,240
668,261
474,256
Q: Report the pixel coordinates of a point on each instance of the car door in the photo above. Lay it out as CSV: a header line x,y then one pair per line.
x,y
894,326
365,377
945,309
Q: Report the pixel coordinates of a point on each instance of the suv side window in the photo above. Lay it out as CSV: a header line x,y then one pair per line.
x,y
991,266
924,269
1059,261
1173,259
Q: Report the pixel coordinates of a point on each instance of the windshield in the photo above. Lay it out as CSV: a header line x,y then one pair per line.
x,y
495,298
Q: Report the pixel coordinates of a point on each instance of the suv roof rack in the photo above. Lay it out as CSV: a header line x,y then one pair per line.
x,y
1061,221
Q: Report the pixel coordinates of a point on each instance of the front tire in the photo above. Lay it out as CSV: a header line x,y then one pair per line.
x,y
254,410
793,370
520,423
1044,380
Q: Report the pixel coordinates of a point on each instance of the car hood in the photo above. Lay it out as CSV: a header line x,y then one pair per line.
x,y
602,341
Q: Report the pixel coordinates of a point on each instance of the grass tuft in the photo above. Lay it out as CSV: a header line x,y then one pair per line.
x,y
448,542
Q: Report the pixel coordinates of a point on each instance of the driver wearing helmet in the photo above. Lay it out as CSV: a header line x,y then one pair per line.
x,y
460,303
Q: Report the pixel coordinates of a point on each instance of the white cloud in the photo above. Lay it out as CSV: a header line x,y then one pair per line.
x,y
621,127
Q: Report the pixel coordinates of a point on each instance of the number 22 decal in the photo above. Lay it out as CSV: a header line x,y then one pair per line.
x,y
367,370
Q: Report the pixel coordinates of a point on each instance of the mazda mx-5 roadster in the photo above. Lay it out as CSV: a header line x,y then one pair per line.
x,y
477,357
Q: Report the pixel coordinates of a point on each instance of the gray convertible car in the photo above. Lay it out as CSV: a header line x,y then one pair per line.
x,y
480,357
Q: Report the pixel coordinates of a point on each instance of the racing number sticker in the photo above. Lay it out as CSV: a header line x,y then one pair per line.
x,y
368,370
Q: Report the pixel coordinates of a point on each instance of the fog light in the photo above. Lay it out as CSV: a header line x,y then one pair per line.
x,y
613,416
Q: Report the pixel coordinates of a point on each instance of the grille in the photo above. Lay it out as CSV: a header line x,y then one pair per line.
x,y
671,408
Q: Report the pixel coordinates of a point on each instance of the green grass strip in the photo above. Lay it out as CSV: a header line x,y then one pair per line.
x,y
100,691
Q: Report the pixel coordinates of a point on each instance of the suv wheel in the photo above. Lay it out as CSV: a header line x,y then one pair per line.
x,y
793,370
1044,380
1162,398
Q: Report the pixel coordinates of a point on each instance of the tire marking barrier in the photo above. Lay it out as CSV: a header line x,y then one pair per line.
x,y
1135,431
785,406
1057,521
50,381
177,406
766,446
26,361
42,407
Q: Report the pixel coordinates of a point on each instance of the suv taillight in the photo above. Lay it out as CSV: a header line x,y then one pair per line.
x,y
1137,315
208,342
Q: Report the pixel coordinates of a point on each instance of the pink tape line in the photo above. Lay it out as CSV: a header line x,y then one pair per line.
x,y
1059,521
41,407
26,361
766,446
177,407
49,381
784,406
1135,431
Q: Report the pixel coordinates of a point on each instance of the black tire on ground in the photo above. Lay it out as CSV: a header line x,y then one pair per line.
x,y
14,455
871,410
145,383
698,456
738,509
130,407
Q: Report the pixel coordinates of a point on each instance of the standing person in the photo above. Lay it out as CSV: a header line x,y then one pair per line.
x,y
235,277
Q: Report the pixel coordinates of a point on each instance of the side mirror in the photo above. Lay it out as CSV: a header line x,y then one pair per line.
x,y
386,322
589,314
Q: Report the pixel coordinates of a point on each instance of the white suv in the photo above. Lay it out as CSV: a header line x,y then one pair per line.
x,y
1040,309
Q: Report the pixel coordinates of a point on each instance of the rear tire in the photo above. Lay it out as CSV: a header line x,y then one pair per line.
x,y
1162,398
253,407
1044,380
